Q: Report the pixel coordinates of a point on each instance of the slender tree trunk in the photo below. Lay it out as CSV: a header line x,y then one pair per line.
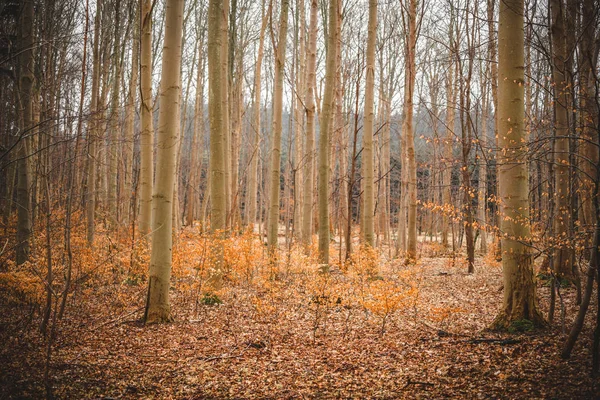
x,y
92,132
408,130
482,186
216,113
113,148
562,258
589,113
101,159
130,115
352,180
467,139
299,119
226,106
26,79
492,54
447,159
272,233
235,69
386,165
252,188
401,240
587,295
369,116
197,137
237,101
147,131
311,55
325,136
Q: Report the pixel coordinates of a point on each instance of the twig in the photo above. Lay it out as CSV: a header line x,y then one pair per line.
x,y
409,382
121,317
439,331
489,340
226,355
222,357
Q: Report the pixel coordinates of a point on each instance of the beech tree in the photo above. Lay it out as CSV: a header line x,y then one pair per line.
x,y
408,131
92,131
325,135
520,301
562,220
218,128
367,155
311,65
390,124
157,305
114,121
147,128
252,187
26,81
272,233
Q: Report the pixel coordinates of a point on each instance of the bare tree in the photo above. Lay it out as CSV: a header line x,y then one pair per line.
x,y
157,306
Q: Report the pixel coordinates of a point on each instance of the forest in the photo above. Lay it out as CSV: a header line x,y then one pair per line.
x,y
285,199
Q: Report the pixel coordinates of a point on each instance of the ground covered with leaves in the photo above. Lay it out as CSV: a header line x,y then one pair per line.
x,y
371,328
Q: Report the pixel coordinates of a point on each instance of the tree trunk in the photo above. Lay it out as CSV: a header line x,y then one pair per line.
x,y
299,119
408,130
311,55
113,148
482,161
26,79
272,232
588,115
562,217
157,306
130,117
325,136
369,116
517,263
197,137
447,158
225,107
492,54
147,129
218,128
92,132
252,188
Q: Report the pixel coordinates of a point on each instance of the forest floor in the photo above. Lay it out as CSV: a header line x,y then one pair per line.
x,y
395,331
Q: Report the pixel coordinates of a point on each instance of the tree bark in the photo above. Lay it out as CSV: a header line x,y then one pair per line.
x,y
216,114
92,132
130,115
520,300
369,116
252,188
198,137
299,119
562,217
447,158
147,128
113,148
589,113
408,131
157,307
272,232
325,136
26,80
309,150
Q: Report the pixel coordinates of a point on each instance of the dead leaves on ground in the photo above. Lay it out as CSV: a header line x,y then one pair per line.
x,y
372,330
